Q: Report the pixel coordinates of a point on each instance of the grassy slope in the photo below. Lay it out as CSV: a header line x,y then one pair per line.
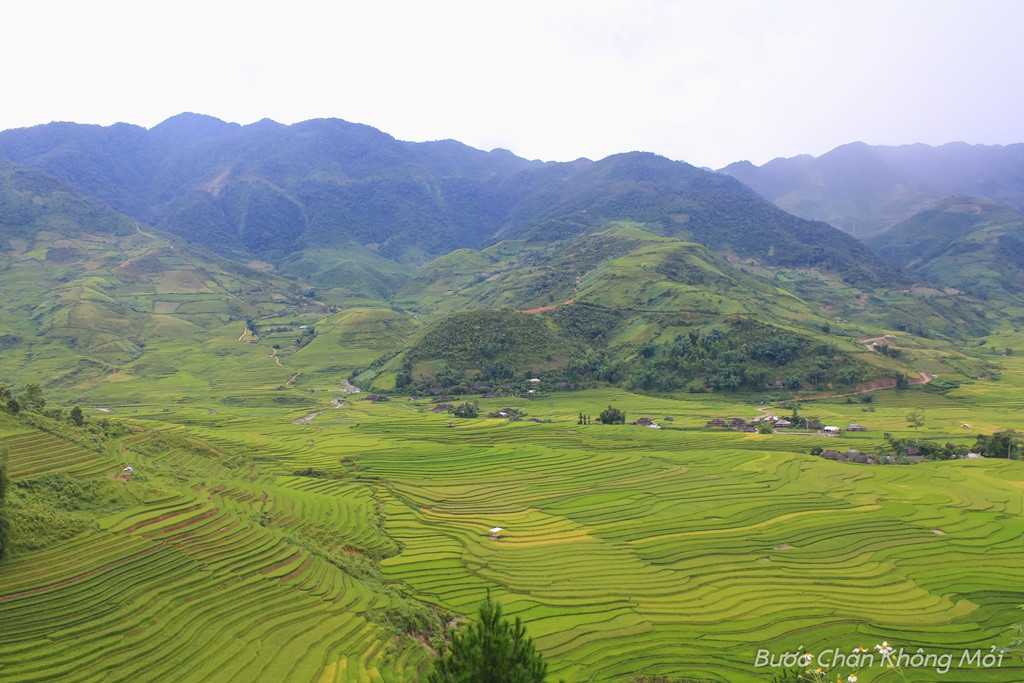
x,y
352,271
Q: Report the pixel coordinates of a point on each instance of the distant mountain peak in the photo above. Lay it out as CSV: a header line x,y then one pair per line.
x,y
190,118
264,124
189,127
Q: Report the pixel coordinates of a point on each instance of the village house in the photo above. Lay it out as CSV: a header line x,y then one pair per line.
x,y
831,429
856,428
783,423
717,422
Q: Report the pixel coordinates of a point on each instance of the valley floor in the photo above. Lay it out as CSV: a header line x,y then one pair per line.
x,y
285,551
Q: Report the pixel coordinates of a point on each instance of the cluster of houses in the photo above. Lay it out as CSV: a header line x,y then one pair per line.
x,y
832,430
736,423
752,426
645,422
534,383
855,456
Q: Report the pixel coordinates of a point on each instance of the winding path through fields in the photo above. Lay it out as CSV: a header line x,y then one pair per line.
x,y
873,385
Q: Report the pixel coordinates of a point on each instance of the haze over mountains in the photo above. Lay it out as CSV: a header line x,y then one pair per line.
x,y
863,189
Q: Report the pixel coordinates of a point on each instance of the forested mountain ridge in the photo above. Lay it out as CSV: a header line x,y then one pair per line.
x,y
268,189
277,192
862,188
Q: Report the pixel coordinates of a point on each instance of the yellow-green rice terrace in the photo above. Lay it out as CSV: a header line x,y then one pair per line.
x,y
244,545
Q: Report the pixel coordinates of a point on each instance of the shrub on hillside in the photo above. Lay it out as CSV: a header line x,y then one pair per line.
x,y
466,410
612,416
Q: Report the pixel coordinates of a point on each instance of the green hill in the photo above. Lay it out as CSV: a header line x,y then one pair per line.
x,y
624,266
351,270
580,345
620,306
966,243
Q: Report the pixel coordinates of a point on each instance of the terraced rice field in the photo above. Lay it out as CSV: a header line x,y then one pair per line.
x,y
686,553
33,452
628,551
187,586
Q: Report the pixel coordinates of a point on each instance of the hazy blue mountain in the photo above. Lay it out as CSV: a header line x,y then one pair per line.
x,y
269,189
862,189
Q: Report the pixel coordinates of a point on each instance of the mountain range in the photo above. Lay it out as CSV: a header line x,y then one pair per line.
x,y
634,268
276,192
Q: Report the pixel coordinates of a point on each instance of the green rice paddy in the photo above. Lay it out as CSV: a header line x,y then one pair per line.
x,y
255,548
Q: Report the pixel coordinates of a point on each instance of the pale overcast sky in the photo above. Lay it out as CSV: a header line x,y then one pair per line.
x,y
708,82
